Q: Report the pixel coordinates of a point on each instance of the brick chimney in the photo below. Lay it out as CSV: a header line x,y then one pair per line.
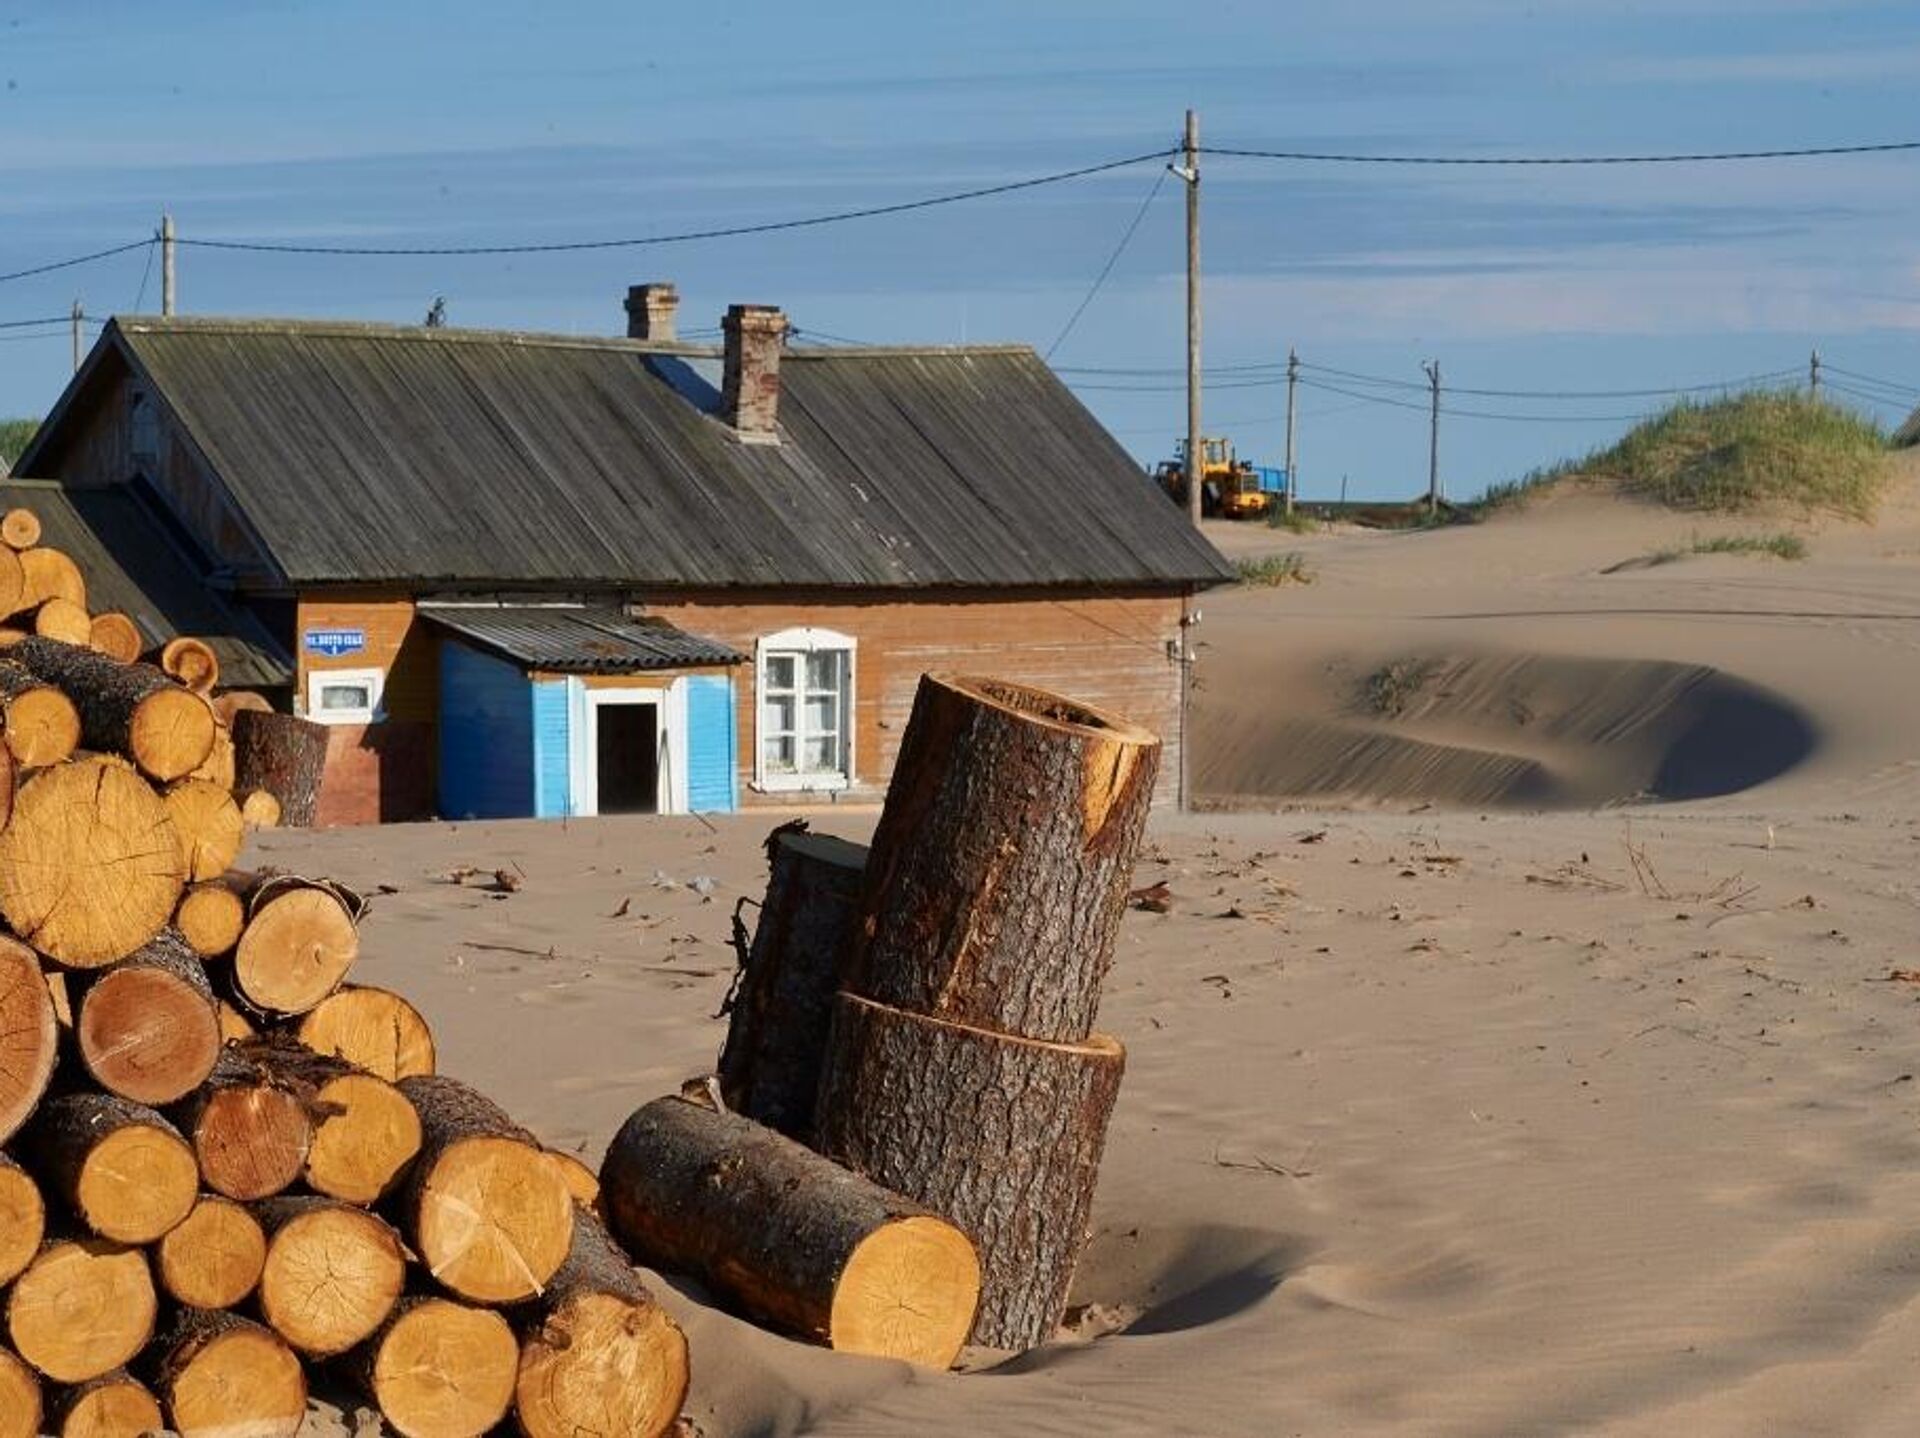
x,y
750,378
650,311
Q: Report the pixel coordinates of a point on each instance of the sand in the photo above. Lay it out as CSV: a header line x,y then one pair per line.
x,y
1457,1104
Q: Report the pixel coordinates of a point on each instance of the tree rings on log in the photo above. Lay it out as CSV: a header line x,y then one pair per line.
x,y
89,867
301,938
50,574
23,1219
1003,1135
84,1307
116,636
485,1208
213,1257
20,1398
19,529
439,1369
366,1131
29,1035
129,709
221,1376
210,918
42,725
371,1029
64,620
114,1405
123,1170
250,1133
260,810
192,662
208,825
147,1028
1000,868
333,1273
791,1237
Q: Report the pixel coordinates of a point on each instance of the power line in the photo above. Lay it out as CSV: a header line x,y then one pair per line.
x,y
24,324
1388,382
717,233
1475,413
145,275
1113,259
76,260
1688,158
1869,379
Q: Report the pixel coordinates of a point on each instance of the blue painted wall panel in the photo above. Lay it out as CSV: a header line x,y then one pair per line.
x,y
486,736
552,798
711,773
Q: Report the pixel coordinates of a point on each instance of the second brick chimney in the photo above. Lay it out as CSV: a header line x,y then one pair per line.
x,y
750,377
650,311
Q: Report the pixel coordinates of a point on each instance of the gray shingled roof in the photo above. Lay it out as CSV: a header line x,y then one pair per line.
x,y
131,566
364,453
585,640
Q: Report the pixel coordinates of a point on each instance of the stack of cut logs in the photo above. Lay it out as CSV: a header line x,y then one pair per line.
x,y
901,1147
222,1165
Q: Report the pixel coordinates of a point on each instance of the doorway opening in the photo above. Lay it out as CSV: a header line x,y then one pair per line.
x,y
627,754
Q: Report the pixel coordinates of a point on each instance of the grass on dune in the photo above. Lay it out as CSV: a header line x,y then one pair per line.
x,y
1272,570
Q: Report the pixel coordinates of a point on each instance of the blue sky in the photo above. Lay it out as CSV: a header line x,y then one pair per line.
x,y
477,122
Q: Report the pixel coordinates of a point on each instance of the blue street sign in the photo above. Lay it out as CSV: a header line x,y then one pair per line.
x,y
335,642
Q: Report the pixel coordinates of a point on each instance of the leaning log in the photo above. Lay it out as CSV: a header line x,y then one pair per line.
x,y
371,1029
23,1219
597,1319
439,1369
222,1376
1003,1135
20,1398
333,1273
300,939
114,1405
29,1035
122,1169
214,1256
1001,864
84,1307
147,1027
782,1003
42,725
283,754
207,823
793,1239
250,1133
128,709
485,1210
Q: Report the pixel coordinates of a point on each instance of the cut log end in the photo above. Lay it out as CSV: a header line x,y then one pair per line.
x,y
260,810
64,620
42,725
214,1257
361,1150
909,1291
83,1308
29,1035
171,733
233,1378
444,1370
333,1274
252,1140
295,950
192,662
115,1406
136,1183
114,635
371,1029
20,1399
50,574
601,1363
89,868
495,1220
23,1220
149,1031
208,825
210,918
19,529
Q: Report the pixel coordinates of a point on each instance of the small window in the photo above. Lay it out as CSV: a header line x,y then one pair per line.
x,y
805,726
143,429
345,696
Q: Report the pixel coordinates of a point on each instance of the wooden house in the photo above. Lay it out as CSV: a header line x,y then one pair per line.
x,y
553,575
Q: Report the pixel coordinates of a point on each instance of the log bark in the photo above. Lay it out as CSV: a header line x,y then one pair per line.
x,y
19,529
116,636
84,1307
29,1035
366,1131
42,725
1001,864
221,1376
147,1028
23,1219
192,662
114,1405
89,869
333,1273
128,709
20,1398
597,1320
439,1369
371,1029
50,574
484,1209
65,621
250,1133
1003,1135
793,1239
210,917
208,826
213,1258
286,756
122,1169
300,939
782,1004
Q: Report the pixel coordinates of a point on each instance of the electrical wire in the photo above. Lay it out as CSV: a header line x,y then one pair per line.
x,y
1826,368
24,324
145,275
1387,382
76,260
1476,413
717,233
1688,158
1113,259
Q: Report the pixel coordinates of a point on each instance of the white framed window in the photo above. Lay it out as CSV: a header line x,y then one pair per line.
x,y
803,735
345,696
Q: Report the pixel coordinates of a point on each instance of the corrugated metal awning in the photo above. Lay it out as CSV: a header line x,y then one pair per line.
x,y
579,640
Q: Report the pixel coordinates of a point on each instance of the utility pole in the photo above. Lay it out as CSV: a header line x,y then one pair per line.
x,y
1813,375
167,292
78,316
1189,171
1293,378
1432,367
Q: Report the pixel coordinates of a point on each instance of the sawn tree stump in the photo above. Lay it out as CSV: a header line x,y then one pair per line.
x,y
1003,1135
1001,864
794,1239
283,754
